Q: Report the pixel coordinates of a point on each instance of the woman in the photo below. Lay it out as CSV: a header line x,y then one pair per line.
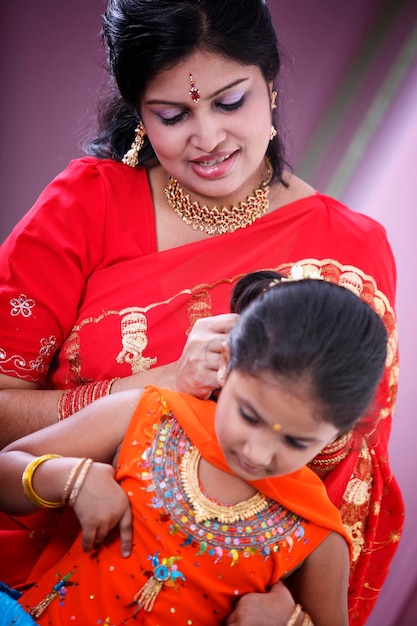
x,y
134,256
221,503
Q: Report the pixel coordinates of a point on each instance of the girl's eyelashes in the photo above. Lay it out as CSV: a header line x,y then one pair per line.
x,y
295,443
250,419
254,421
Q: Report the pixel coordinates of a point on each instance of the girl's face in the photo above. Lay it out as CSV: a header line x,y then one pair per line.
x,y
266,426
215,146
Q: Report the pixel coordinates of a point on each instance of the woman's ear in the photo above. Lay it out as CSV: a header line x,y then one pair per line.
x,y
224,365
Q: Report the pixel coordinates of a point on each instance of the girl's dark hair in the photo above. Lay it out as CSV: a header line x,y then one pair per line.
x,y
144,37
314,332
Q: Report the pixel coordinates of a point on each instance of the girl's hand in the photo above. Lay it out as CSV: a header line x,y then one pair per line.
x,y
196,369
101,505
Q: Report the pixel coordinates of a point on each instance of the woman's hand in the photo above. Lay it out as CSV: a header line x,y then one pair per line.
x,y
273,608
195,372
101,505
196,369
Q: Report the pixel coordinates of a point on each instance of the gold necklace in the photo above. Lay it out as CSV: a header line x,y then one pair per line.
x,y
204,508
216,221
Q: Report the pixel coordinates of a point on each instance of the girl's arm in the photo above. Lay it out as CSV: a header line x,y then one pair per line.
x,y
319,585
95,432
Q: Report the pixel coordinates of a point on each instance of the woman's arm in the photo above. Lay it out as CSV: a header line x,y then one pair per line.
x,y
274,608
96,431
24,408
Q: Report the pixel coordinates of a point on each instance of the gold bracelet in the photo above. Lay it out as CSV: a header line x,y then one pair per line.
x,y
294,616
27,478
80,480
70,480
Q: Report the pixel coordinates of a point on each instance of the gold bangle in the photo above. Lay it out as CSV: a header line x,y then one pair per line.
x,y
75,399
294,616
70,480
80,480
27,478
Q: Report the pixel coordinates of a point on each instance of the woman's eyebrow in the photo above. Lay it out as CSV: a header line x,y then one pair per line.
x,y
213,95
229,86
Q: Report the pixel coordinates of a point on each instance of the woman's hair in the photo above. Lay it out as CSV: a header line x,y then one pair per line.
x,y
310,332
145,37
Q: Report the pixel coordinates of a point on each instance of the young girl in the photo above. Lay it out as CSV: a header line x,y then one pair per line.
x,y
216,494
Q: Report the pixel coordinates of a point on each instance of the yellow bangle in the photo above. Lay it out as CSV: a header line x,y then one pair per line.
x,y
27,478
80,480
294,616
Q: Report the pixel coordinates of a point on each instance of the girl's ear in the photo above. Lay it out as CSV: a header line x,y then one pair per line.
x,y
224,365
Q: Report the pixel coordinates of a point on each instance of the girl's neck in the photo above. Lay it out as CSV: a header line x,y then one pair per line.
x,y
223,486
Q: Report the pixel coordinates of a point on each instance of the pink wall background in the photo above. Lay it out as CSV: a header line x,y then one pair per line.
x,y
349,101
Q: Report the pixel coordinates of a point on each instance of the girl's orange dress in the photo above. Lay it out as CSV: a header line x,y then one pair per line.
x,y
182,571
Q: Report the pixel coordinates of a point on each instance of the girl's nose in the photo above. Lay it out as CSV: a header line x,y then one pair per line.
x,y
258,453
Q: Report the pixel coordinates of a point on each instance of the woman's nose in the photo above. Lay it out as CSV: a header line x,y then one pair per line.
x,y
207,134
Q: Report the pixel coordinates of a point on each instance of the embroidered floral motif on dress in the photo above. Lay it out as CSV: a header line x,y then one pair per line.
x,y
22,306
8,364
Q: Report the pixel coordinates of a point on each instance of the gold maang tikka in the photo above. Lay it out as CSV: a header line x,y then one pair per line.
x,y
194,92
219,220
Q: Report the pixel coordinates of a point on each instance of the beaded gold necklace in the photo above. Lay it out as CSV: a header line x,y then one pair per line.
x,y
215,220
204,508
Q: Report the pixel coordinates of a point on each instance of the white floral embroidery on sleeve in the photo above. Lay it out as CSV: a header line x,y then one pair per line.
x,y
22,306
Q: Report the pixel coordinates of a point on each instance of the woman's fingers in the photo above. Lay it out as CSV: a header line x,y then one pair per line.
x,y
197,367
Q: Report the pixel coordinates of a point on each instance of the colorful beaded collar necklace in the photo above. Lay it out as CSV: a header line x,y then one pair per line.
x,y
215,220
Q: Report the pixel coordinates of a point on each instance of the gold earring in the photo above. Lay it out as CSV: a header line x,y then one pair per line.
x,y
273,132
131,157
273,98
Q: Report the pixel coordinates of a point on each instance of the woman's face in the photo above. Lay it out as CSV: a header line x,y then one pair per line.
x,y
213,145
268,426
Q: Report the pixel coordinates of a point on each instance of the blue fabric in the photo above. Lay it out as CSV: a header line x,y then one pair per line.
x,y
11,613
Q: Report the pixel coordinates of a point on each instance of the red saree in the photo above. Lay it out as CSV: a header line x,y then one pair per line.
x,y
211,564
114,305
